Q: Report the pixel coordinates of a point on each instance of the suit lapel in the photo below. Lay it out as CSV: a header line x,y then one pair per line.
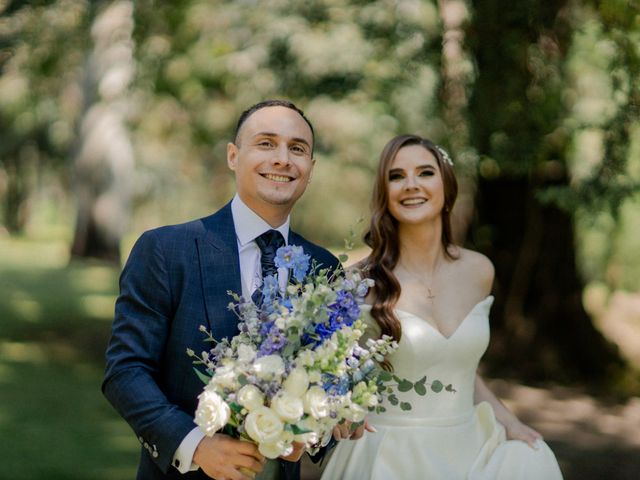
x,y
220,271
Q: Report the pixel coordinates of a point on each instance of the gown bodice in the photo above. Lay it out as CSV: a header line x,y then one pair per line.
x,y
423,350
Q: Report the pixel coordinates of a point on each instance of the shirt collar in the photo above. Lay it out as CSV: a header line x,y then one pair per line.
x,y
249,224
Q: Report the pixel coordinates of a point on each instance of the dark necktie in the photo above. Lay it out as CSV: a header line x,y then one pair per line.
x,y
268,243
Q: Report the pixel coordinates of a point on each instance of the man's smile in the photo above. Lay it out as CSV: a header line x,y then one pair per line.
x,y
277,178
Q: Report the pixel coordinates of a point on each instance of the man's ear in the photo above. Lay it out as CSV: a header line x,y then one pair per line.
x,y
313,164
232,155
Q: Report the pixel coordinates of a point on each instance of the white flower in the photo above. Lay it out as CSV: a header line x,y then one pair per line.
x,y
225,377
310,438
263,425
305,358
245,353
281,446
297,382
288,407
268,367
315,376
250,397
315,403
281,323
212,413
352,411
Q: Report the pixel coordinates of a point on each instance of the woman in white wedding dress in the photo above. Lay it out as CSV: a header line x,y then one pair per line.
x,y
434,297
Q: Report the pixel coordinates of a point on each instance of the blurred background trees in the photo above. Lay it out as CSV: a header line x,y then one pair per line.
x,y
114,119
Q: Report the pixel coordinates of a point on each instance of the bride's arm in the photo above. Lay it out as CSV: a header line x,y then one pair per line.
x,y
515,429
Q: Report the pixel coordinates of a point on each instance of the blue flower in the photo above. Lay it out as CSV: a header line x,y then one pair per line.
x,y
345,310
274,342
270,289
293,258
335,385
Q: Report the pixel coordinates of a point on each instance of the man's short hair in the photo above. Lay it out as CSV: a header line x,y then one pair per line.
x,y
271,103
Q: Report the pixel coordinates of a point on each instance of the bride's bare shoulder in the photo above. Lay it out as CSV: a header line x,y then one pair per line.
x,y
475,265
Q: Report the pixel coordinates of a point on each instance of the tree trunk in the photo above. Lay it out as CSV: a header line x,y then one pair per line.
x,y
104,162
16,195
540,329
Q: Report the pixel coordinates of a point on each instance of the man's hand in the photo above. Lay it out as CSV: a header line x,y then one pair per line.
x,y
345,430
298,450
222,457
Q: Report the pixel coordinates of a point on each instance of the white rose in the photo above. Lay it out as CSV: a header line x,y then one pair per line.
x,y
212,413
281,446
263,425
315,403
288,407
268,367
312,437
250,397
297,382
246,353
225,377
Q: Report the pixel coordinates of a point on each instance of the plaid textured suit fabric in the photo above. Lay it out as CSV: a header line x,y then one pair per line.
x,y
176,279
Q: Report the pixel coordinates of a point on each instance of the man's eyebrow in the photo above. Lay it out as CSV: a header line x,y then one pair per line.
x,y
270,134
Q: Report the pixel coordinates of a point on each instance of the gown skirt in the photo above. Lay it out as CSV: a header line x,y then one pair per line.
x,y
444,436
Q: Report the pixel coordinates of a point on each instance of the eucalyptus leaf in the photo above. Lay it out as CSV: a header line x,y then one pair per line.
x,y
296,430
202,376
437,386
405,406
405,385
420,389
393,400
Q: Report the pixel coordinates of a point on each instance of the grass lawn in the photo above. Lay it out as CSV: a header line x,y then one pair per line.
x,y
54,325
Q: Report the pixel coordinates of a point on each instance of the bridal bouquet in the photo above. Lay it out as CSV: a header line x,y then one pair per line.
x,y
296,369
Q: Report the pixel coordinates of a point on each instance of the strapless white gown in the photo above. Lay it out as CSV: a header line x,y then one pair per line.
x,y
445,436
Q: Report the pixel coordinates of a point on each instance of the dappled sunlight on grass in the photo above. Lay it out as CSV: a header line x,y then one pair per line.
x,y
28,309
22,352
56,414
98,306
22,251
54,326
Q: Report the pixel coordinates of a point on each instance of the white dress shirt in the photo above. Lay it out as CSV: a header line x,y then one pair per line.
x,y
248,226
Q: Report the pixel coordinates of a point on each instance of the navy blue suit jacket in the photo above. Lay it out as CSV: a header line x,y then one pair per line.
x,y
176,279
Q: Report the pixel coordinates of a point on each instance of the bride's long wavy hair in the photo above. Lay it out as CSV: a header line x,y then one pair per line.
x,y
382,235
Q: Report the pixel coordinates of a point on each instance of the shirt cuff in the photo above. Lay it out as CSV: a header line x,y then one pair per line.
x,y
183,458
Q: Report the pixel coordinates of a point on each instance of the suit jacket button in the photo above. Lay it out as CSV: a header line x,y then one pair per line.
x,y
155,454
141,439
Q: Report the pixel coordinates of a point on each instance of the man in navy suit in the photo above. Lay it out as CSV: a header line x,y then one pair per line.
x,y
177,278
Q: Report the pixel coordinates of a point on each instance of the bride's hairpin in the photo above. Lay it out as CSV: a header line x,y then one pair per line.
x,y
445,155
